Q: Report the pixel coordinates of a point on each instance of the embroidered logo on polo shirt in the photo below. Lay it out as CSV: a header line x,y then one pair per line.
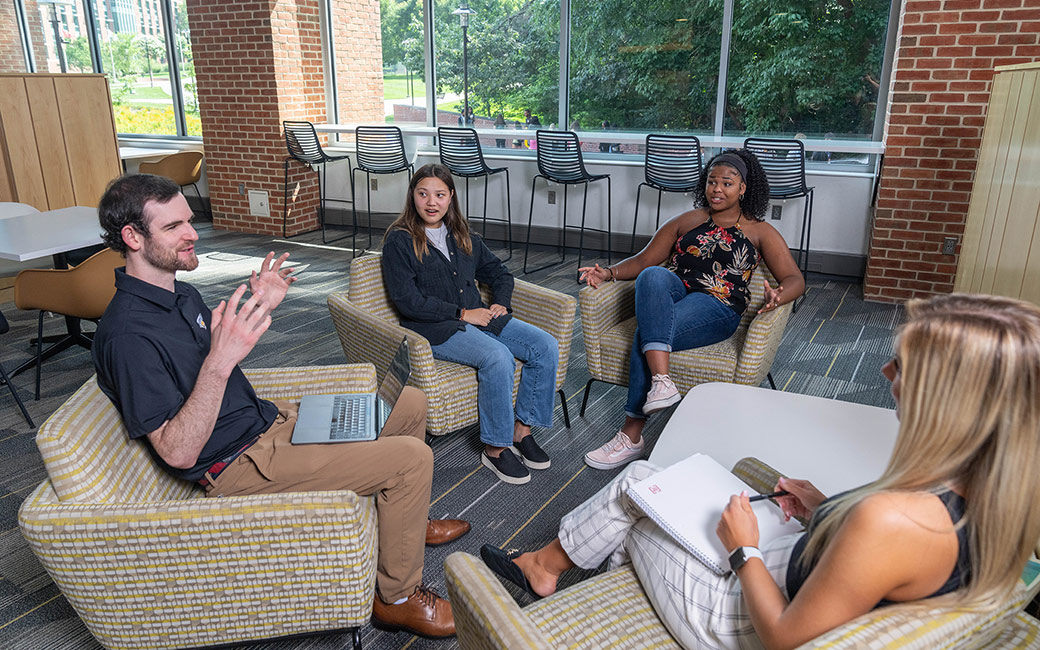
x,y
202,323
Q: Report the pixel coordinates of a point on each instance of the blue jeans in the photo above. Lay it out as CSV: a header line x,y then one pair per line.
x,y
671,319
494,357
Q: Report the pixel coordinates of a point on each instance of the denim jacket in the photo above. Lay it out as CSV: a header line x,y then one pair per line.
x,y
431,293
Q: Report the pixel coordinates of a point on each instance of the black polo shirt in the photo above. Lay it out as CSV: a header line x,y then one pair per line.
x,y
148,349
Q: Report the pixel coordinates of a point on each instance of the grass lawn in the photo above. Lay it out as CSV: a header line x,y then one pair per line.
x,y
395,86
148,92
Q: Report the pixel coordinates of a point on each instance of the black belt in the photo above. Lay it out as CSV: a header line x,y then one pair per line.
x,y
219,466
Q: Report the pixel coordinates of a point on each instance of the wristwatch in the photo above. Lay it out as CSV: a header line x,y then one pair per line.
x,y
741,555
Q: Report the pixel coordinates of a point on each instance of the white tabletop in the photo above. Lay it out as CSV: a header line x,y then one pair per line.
x,y
836,445
133,153
845,146
30,236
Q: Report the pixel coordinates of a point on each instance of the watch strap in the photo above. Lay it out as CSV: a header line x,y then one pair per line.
x,y
741,555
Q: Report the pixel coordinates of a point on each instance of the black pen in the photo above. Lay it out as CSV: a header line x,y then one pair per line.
x,y
773,495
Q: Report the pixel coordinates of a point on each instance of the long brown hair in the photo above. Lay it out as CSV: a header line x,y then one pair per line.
x,y
411,222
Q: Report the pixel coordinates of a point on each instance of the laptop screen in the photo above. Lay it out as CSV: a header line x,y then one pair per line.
x,y
395,378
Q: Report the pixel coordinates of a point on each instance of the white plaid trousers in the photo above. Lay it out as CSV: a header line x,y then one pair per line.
x,y
700,608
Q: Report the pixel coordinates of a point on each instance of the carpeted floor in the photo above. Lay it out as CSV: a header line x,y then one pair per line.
x,y
834,346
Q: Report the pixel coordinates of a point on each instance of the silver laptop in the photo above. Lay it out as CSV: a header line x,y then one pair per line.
x,y
352,417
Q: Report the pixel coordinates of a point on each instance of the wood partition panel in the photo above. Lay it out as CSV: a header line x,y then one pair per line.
x,y
1001,250
58,143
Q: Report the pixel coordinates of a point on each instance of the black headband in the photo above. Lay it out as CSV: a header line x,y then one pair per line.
x,y
734,161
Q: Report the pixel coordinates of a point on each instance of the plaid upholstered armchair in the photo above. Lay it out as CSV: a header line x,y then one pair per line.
x,y
611,610
369,330
608,320
148,562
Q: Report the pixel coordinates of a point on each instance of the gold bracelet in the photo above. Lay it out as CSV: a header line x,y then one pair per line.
x,y
462,314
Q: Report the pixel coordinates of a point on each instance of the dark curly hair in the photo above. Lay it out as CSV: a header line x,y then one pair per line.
x,y
123,205
756,194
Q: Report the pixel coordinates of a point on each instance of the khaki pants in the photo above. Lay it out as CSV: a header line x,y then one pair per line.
x,y
397,469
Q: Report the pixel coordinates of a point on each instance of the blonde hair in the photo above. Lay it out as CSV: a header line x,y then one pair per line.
x,y
410,221
970,417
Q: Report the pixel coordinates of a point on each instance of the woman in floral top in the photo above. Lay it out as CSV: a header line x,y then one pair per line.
x,y
698,298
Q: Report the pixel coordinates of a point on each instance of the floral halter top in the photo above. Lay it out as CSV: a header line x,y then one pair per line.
x,y
717,261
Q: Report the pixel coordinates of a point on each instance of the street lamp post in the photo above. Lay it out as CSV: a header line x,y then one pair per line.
x,y
58,43
464,12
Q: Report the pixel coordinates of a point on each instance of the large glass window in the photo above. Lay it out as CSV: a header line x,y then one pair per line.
x,y
640,67
806,66
511,68
404,61
134,58
186,69
127,40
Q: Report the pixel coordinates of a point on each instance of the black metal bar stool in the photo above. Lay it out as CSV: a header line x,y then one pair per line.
x,y
784,163
380,150
560,161
302,142
460,152
673,164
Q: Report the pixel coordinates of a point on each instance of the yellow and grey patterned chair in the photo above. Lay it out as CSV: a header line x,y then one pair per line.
x,y
611,610
148,562
369,330
608,320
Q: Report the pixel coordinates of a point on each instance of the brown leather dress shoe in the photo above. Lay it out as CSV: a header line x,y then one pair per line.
x,y
424,614
442,531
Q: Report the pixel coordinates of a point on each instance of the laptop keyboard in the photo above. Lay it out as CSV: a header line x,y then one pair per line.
x,y
348,415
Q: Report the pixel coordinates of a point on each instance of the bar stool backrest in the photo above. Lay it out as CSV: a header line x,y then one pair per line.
x,y
380,149
559,156
784,163
673,162
302,142
460,151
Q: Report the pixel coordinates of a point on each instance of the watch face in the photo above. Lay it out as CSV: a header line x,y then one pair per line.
x,y
737,558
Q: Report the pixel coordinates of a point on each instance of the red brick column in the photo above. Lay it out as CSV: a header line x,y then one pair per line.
x,y
11,57
257,63
944,64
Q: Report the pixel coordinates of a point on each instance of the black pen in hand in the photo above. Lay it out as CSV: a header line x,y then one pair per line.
x,y
772,495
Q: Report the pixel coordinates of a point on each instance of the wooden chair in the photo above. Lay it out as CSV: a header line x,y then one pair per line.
x,y
78,293
183,168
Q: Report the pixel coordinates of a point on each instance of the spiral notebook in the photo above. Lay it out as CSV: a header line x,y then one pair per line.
x,y
687,499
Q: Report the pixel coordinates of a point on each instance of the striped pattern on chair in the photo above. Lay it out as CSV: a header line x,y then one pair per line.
x,y
611,610
147,562
370,331
609,323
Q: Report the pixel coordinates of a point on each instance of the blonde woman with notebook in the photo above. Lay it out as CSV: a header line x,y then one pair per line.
x,y
951,518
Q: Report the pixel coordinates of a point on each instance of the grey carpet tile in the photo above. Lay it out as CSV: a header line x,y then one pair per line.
x,y
834,346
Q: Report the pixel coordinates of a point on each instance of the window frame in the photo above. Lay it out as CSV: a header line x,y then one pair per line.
x,y
92,34
563,117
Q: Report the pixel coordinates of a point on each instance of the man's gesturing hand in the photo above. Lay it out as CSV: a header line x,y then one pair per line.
x,y
272,280
233,334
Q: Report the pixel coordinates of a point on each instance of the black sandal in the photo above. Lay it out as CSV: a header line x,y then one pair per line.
x,y
501,564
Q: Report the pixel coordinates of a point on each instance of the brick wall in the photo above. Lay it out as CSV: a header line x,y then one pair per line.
x,y
257,63
947,50
359,60
11,57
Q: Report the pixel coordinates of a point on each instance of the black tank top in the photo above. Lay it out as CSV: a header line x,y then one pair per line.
x,y
717,261
798,574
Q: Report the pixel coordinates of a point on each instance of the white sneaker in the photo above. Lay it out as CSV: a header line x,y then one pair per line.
x,y
619,451
663,394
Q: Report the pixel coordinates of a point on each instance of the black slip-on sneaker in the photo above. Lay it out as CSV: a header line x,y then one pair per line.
x,y
507,466
531,453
